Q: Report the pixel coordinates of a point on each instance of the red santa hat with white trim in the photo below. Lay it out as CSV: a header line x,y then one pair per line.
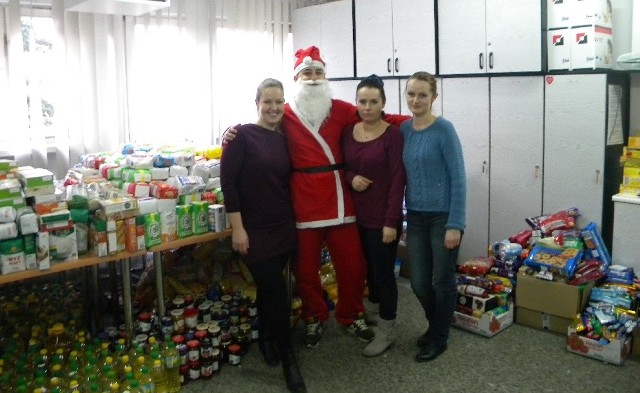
x,y
309,57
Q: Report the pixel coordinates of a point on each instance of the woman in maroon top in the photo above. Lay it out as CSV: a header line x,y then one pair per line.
x,y
374,169
254,172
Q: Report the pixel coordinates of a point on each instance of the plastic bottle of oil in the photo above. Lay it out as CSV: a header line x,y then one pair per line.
x,y
171,358
158,376
59,338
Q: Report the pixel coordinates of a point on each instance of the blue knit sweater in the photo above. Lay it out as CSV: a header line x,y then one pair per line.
x,y
436,180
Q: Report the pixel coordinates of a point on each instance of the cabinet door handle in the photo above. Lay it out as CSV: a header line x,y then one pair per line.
x,y
481,60
389,65
484,166
491,60
537,171
597,176
396,65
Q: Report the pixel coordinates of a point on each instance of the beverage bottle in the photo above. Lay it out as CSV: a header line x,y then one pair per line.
x,y
40,384
134,387
107,378
171,358
140,363
58,377
59,338
158,376
145,381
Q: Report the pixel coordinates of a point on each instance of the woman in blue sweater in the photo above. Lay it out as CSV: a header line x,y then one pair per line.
x,y
435,199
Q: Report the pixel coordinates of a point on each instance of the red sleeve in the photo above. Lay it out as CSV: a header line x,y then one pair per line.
x,y
396,120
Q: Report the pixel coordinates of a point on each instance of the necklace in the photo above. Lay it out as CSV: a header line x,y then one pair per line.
x,y
361,133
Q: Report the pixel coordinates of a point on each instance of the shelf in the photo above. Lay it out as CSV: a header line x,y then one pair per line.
x,y
187,241
84,261
116,7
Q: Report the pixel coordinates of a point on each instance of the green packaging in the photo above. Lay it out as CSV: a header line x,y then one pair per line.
x,y
200,217
152,234
184,221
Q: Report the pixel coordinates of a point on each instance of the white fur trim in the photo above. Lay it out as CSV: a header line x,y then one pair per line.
x,y
307,62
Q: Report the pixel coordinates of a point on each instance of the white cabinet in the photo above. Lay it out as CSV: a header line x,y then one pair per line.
x,y
574,146
517,113
465,102
394,37
489,36
499,122
329,27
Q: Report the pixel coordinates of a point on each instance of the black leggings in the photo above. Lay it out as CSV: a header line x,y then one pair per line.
x,y
272,300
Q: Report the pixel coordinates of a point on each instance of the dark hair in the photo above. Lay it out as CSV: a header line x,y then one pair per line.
x,y
425,77
373,81
269,82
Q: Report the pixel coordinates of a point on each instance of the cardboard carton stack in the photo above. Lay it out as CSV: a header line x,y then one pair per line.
x,y
579,34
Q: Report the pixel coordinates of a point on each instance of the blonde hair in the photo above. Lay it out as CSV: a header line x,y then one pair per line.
x,y
425,77
265,84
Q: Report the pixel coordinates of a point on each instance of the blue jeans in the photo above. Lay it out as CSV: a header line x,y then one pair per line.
x,y
433,270
381,278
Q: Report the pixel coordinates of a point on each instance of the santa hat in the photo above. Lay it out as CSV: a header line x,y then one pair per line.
x,y
306,58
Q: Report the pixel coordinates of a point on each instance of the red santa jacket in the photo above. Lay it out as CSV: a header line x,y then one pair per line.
x,y
320,196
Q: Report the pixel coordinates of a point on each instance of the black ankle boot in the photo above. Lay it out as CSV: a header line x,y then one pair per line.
x,y
269,352
295,382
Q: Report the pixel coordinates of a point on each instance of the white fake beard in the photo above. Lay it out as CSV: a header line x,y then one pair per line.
x,y
313,101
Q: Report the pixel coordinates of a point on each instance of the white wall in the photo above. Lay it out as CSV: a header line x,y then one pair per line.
x,y
622,23
635,44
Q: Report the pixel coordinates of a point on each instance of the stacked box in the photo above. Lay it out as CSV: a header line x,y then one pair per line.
x,y
549,305
579,34
630,161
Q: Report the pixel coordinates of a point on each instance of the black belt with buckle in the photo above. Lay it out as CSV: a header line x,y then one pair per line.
x,y
318,169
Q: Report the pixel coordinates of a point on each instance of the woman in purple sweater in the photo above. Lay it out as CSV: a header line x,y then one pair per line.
x,y
374,169
254,172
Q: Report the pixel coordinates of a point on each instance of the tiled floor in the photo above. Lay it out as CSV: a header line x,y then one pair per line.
x,y
518,359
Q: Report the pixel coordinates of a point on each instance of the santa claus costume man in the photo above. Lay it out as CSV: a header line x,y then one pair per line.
x,y
313,123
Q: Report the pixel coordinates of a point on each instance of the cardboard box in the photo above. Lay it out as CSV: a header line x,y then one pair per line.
x,y
616,351
35,177
542,320
570,13
591,47
63,245
488,325
551,297
118,204
559,13
42,250
591,12
10,188
478,304
559,49
15,202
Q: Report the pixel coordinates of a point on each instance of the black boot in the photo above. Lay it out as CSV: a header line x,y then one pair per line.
x,y
269,351
292,374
